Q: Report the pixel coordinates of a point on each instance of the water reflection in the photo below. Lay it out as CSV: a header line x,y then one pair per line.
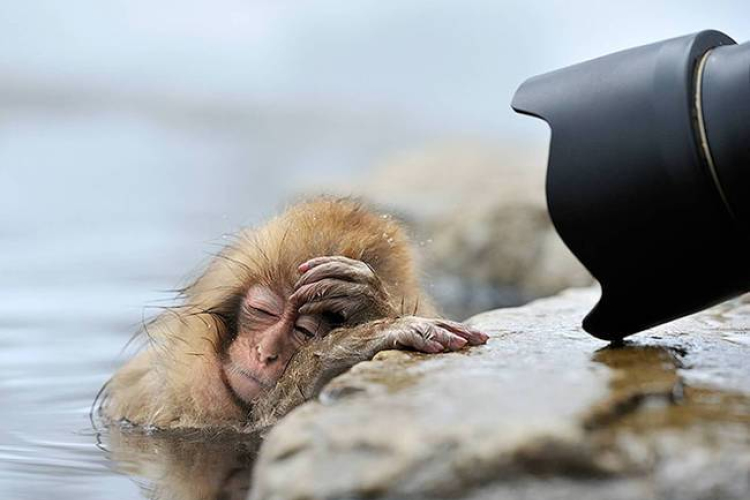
x,y
648,392
184,466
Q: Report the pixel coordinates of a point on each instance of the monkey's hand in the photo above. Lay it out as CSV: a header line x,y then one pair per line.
x,y
345,347
346,289
323,359
429,335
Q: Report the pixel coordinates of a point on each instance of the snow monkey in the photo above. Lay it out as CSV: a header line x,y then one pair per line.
x,y
275,316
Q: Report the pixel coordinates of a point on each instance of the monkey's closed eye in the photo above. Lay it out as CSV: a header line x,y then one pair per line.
x,y
261,312
304,331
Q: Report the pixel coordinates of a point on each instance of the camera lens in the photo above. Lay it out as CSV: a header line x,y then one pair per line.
x,y
648,180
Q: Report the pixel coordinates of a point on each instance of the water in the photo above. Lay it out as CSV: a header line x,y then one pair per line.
x,y
134,134
51,366
103,211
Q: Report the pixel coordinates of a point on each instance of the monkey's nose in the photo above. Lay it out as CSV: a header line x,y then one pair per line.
x,y
266,358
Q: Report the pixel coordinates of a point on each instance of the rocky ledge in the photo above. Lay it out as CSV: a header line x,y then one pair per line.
x,y
542,411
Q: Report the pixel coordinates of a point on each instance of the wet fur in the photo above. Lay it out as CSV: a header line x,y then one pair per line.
x,y
172,383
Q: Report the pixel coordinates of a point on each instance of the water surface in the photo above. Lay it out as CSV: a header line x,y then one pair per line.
x,y
103,212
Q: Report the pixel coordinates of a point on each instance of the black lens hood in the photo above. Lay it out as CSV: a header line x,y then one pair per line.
x,y
648,180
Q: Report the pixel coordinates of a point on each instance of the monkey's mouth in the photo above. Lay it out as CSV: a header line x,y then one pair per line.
x,y
243,383
265,384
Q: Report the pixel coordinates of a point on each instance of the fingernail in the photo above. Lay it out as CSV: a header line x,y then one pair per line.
x,y
303,268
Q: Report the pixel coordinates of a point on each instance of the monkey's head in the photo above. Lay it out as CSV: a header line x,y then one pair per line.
x,y
250,288
269,331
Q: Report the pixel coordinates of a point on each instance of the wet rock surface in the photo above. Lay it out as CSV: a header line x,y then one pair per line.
x,y
542,411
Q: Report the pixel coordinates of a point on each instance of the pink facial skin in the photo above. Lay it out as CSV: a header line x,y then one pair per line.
x,y
270,332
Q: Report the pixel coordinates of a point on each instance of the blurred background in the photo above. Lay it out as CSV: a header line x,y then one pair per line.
x,y
134,135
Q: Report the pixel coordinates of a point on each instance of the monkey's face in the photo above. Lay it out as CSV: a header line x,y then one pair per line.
x,y
270,331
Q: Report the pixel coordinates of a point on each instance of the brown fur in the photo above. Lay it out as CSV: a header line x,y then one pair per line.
x,y
174,382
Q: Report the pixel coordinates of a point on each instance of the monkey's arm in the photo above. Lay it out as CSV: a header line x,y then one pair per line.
x,y
323,359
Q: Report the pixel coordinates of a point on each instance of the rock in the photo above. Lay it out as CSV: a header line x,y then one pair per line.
x,y
480,218
542,411
435,181
501,254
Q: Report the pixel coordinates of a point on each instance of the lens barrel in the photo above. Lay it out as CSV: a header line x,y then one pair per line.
x,y
724,102
648,179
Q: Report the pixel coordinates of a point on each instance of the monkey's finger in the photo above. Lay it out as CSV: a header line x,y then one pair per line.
x,y
316,261
444,337
342,306
472,335
358,272
412,338
327,288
